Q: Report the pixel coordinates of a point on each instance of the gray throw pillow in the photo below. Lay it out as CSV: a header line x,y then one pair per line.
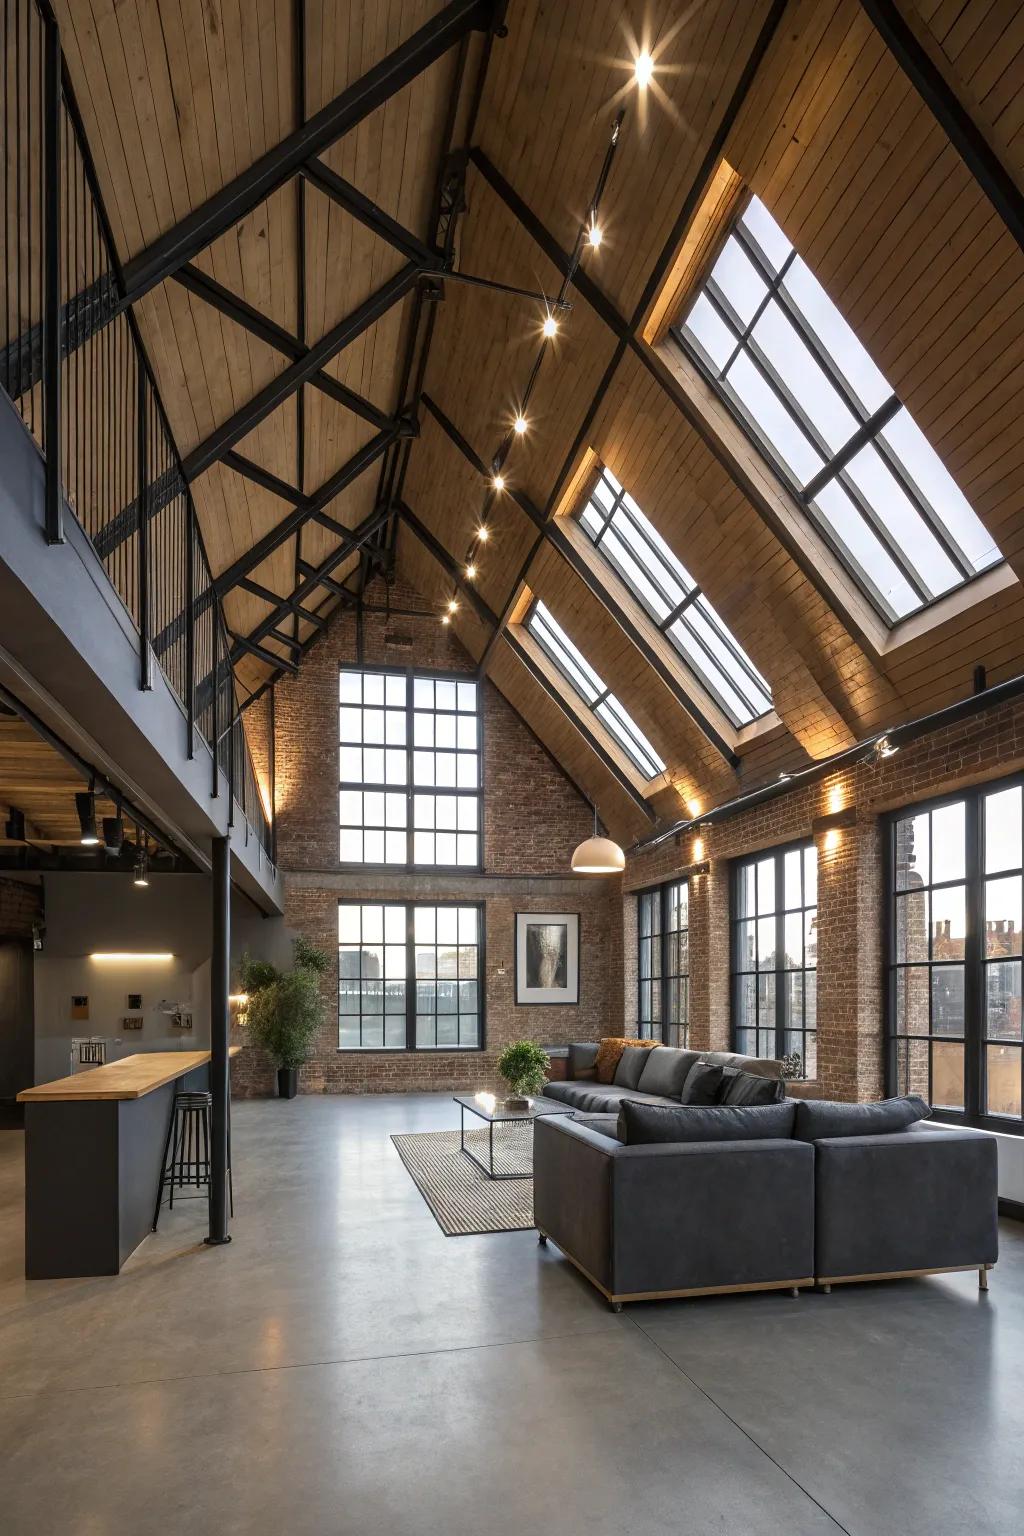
x,y
703,1084
631,1065
747,1088
818,1119
641,1123
665,1071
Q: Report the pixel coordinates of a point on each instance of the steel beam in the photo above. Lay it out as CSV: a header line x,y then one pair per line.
x,y
243,643
274,335
278,390
276,600
950,113
247,191
331,488
369,214
220,1030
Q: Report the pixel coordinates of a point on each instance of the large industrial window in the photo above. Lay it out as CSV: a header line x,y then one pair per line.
x,y
409,761
410,977
663,964
775,956
582,678
776,348
634,548
954,1014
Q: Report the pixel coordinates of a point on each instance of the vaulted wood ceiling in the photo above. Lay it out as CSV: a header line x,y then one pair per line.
x,y
809,106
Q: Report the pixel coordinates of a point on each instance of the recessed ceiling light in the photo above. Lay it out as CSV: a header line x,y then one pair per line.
x,y
498,482
483,534
643,69
519,425
550,326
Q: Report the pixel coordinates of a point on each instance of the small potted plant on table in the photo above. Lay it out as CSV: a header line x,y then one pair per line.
x,y
285,1009
524,1066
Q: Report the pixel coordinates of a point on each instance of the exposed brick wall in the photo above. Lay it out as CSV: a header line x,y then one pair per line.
x,y
533,819
851,894
21,905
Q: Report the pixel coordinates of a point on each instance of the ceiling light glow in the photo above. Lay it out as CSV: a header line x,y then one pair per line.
x,y
550,326
519,425
643,69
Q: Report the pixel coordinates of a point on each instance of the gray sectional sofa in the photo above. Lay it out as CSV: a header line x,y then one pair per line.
x,y
651,1198
652,1076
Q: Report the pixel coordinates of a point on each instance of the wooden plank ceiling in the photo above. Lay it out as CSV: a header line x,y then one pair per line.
x,y
38,782
178,96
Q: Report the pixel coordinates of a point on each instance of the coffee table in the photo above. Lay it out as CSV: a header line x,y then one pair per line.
x,y
515,1139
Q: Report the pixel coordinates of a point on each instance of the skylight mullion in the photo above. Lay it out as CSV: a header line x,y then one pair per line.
x,y
677,612
921,503
629,735
655,566
772,292
715,667
847,557
867,433
757,682
881,532
795,316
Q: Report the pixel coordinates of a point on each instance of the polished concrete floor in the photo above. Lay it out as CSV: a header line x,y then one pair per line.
x,y
343,1369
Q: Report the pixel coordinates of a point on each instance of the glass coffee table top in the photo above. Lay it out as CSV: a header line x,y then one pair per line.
x,y
509,1155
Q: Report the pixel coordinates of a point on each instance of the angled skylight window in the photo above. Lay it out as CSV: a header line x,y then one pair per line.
x,y
777,349
635,549
582,678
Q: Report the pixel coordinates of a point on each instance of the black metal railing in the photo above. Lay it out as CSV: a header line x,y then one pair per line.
x,y
73,362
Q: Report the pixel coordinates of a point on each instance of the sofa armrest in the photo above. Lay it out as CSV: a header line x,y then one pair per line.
x,y
695,1215
572,1191
921,1199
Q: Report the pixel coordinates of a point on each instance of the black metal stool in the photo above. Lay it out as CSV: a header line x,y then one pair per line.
x,y
188,1141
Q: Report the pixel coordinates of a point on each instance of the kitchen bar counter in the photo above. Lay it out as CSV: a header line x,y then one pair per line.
x,y
130,1078
93,1149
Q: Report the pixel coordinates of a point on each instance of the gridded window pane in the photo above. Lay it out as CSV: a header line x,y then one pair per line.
x,y
774,345
400,739
960,1000
380,961
774,956
588,685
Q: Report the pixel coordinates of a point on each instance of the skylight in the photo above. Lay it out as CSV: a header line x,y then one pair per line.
x,y
774,345
634,548
581,676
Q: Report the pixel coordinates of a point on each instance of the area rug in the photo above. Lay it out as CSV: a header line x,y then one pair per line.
x,y
463,1199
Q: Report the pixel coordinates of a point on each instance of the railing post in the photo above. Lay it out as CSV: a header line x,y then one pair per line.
x,y
234,724
146,675
215,730
54,502
190,623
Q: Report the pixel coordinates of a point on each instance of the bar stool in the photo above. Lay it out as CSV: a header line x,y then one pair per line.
x,y
188,1141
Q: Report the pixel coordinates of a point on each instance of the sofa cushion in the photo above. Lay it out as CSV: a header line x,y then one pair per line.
x,y
609,1049
632,1063
665,1071
748,1088
604,1125
759,1066
820,1118
703,1083
580,1063
641,1123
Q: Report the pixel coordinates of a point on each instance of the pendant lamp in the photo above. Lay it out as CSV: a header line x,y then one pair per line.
x,y
598,855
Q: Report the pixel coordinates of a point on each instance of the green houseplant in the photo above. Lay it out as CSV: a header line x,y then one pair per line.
x,y
524,1066
285,1009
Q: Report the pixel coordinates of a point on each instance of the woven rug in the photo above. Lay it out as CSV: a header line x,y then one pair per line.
x,y
463,1199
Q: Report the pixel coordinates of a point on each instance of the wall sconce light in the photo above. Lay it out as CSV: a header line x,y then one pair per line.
x,y
830,828
833,837
238,1005
836,798
698,850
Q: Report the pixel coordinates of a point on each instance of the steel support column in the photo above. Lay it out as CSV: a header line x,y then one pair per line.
x,y
220,1082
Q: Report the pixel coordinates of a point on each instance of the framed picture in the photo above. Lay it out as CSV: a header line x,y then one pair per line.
x,y
547,957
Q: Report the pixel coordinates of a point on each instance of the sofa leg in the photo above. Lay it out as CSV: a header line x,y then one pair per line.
x,y
795,1290
542,1238
616,1306
983,1278
826,1290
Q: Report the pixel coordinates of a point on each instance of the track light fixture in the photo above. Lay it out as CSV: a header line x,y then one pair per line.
x,y
85,805
113,833
519,425
498,482
471,572
141,875
14,827
483,534
550,327
594,236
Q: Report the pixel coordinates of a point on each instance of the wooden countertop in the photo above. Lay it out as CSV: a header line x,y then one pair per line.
x,y
130,1078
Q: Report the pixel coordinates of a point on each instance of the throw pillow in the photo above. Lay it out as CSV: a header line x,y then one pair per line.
x,y
641,1123
748,1088
609,1049
632,1063
817,1119
703,1083
665,1071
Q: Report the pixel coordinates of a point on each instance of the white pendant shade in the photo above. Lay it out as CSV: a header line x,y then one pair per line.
x,y
598,856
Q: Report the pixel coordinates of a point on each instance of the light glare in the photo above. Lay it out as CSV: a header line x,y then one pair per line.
x,y
550,326
520,425
643,69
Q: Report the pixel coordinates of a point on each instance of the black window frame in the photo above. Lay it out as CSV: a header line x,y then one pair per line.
x,y
869,429
410,788
676,610
638,757
411,1046
779,971
661,948
975,963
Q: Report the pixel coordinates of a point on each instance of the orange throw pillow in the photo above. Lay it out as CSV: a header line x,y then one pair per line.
x,y
609,1049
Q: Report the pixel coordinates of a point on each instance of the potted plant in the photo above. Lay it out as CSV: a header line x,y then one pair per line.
x,y
524,1066
285,1010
